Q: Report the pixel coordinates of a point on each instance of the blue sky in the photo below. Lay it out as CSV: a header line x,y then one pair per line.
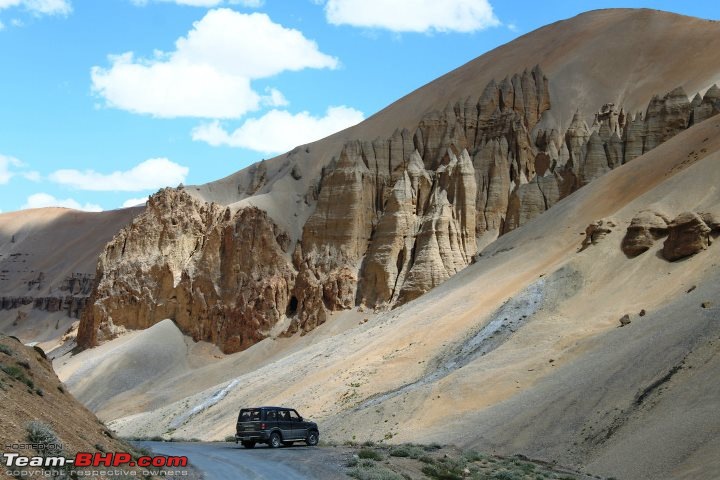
x,y
105,101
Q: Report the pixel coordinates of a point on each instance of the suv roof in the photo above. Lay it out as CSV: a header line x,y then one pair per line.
x,y
267,408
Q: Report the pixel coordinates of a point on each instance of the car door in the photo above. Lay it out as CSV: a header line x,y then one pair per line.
x,y
271,419
298,426
285,425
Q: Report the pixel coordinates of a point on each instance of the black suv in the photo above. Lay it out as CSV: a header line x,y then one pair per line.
x,y
275,426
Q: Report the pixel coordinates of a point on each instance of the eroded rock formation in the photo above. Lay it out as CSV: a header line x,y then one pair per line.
x,y
393,217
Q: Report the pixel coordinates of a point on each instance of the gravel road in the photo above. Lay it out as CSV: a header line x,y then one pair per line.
x,y
223,460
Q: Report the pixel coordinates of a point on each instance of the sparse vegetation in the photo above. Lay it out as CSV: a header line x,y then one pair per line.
x,y
230,438
436,462
18,374
407,450
6,350
370,453
371,470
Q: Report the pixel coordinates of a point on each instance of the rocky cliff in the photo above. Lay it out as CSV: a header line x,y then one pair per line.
x,y
392,218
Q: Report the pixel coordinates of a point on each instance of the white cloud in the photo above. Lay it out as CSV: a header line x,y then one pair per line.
x,y
150,174
206,3
278,130
134,202
40,7
6,165
274,98
413,15
9,168
41,200
208,74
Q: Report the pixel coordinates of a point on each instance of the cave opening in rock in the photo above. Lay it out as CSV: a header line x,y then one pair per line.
x,y
292,306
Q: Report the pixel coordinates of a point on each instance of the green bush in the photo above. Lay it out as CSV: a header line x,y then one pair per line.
x,y
371,454
6,350
407,450
373,471
230,438
439,472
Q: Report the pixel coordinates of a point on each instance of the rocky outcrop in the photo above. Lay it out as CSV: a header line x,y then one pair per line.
x,y
393,217
687,235
644,229
222,277
595,232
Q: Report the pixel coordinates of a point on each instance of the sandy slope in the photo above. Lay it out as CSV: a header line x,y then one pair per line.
x,y
429,370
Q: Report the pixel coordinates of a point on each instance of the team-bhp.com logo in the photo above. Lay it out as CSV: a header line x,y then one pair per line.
x,y
14,462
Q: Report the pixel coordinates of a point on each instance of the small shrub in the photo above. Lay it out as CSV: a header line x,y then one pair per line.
x,y
24,363
6,350
39,392
230,438
99,448
371,454
440,473
39,433
473,456
506,476
369,470
400,452
18,374
407,450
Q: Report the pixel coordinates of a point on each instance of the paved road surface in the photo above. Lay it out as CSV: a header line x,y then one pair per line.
x,y
230,461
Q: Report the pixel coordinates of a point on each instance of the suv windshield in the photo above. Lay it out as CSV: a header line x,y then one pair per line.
x,y
249,415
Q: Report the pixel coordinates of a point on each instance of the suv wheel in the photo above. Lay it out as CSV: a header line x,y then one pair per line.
x,y
312,438
275,440
248,444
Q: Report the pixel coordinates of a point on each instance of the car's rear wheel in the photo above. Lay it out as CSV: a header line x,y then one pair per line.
x,y
275,440
312,438
248,444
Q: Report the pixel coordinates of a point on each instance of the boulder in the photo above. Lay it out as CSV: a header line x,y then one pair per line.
x,y
646,227
687,235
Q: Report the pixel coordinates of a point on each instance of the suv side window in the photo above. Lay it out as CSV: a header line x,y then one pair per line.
x,y
271,415
294,417
283,415
251,415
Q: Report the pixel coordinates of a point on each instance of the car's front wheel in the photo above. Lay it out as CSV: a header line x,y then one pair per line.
x,y
312,438
248,444
275,440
